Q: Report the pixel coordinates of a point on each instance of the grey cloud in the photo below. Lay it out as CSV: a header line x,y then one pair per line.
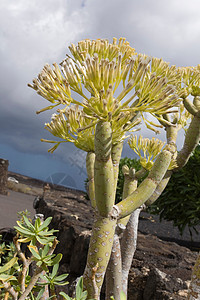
x,y
39,31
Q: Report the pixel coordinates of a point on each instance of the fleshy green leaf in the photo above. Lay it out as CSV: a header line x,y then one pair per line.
x,y
61,277
45,250
34,252
55,270
65,296
24,231
37,224
9,265
24,240
45,223
6,277
80,295
55,260
43,241
28,223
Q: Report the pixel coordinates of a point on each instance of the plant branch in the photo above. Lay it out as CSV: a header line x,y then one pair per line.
x,y
192,139
32,282
128,246
10,290
90,159
26,262
148,186
114,271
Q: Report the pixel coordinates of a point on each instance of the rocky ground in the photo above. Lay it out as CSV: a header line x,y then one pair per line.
x,y
161,269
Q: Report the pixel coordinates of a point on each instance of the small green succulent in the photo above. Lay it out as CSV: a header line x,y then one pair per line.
x,y
34,233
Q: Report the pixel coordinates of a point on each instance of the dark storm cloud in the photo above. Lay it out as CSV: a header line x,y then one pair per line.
x,y
39,31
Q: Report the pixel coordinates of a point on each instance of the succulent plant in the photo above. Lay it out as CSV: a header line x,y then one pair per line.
x,y
107,90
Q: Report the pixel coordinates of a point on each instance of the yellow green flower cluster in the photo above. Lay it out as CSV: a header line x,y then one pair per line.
x,y
146,149
111,82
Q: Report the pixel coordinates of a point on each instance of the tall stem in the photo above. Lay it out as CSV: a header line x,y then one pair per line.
x,y
116,155
114,271
148,186
99,253
128,246
129,238
104,225
191,141
159,189
103,169
90,159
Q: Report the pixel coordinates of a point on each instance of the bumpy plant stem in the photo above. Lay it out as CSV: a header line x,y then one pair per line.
x,y
114,274
171,135
128,246
148,186
191,141
159,189
104,226
103,169
114,271
90,159
129,238
116,155
192,137
99,252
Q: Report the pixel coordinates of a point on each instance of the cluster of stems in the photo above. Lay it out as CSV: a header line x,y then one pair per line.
x,y
119,241
98,125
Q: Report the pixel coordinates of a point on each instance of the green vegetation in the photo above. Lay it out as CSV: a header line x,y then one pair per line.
x,y
26,275
180,201
131,163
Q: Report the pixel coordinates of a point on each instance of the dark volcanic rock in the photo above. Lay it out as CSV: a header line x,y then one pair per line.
x,y
3,176
160,269
72,216
159,285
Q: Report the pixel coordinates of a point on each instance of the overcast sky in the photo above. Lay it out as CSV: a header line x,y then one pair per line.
x,y
39,31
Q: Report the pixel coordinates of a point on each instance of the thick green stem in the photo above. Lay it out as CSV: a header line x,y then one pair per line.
x,y
159,189
128,246
103,169
190,106
192,139
130,185
148,186
90,159
171,133
116,155
114,271
129,238
99,253
196,102
114,275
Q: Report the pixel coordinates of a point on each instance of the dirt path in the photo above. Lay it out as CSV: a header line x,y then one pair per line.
x,y
13,203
